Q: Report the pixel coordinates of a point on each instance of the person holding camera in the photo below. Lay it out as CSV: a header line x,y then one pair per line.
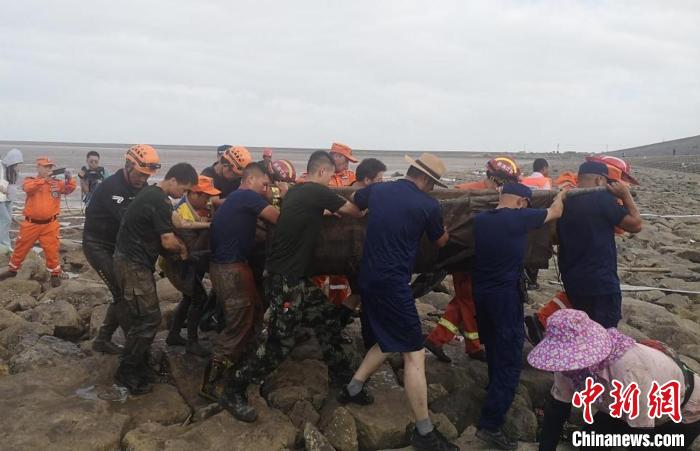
x,y
41,209
91,175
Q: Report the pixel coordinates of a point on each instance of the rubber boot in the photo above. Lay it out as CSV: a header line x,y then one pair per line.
x,y
193,346
103,340
181,313
236,403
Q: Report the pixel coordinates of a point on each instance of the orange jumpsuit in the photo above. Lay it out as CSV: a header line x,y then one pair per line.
x,y
460,312
337,288
41,211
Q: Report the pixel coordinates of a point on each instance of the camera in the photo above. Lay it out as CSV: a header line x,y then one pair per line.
x,y
58,171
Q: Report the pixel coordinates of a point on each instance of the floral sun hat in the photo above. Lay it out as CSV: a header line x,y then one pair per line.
x,y
573,341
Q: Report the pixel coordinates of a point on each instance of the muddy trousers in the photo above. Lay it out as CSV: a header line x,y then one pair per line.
x,y
188,281
143,313
100,255
500,319
294,302
48,236
238,296
459,314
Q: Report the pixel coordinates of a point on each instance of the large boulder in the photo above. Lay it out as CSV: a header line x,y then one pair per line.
x,y
295,381
314,440
39,351
60,315
272,431
383,423
14,328
341,430
81,294
658,323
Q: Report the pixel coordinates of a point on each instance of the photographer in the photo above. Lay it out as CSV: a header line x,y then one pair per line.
x,y
40,223
91,175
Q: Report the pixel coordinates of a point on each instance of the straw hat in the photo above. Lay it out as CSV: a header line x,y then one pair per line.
x,y
429,165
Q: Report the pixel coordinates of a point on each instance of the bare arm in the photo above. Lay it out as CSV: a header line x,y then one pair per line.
x,y
174,244
270,214
633,221
180,223
350,209
557,208
442,241
216,201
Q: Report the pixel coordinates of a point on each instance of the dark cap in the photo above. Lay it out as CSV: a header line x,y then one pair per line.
x,y
593,167
517,189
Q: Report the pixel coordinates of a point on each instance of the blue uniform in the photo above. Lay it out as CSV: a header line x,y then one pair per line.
x,y
233,227
399,215
500,240
588,256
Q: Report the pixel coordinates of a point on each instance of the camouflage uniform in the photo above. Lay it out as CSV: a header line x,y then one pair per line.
x,y
141,306
293,302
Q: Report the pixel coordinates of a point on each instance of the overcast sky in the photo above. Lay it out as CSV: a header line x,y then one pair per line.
x,y
462,75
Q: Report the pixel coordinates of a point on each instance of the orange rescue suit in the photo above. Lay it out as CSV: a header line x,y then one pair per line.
x,y
460,313
343,178
41,211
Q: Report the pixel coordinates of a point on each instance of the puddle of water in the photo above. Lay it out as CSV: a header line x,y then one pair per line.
x,y
115,393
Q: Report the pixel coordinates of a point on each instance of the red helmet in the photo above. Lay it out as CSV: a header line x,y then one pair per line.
x,y
238,158
144,157
503,170
619,169
283,171
267,152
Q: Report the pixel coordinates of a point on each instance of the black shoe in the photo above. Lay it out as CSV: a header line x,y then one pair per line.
x,y
497,439
433,441
106,347
175,339
55,281
437,350
193,347
135,384
479,355
363,398
534,329
237,405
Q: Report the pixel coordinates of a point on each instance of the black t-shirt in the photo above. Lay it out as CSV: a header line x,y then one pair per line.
x,y
148,217
221,183
233,227
106,207
298,228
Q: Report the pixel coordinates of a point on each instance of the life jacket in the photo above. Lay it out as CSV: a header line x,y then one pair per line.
x,y
537,182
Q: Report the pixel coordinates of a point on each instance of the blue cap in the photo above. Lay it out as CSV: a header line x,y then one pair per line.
x,y
517,189
593,167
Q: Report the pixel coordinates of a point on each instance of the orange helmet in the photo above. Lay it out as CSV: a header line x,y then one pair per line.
x,y
238,158
567,180
144,157
618,169
502,170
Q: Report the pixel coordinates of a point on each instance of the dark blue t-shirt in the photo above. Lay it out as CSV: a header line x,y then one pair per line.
x,y
500,242
233,227
399,214
587,253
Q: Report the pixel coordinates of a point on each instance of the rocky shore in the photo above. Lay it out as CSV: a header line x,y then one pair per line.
x,y
57,394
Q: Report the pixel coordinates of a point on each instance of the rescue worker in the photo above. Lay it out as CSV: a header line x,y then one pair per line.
x,y
191,220
460,313
41,210
267,161
9,176
102,217
232,244
369,171
539,179
587,252
293,298
400,213
342,156
337,287
618,171
146,231
91,175
227,171
500,243
577,348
